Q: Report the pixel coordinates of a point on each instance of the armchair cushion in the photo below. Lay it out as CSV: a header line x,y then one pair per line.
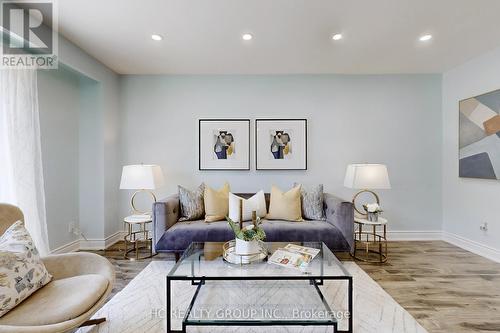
x,y
58,301
22,272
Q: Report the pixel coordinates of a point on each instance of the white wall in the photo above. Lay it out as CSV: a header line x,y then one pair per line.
x,y
392,119
467,203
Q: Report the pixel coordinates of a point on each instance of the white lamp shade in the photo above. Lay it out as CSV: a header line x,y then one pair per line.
x,y
367,176
141,177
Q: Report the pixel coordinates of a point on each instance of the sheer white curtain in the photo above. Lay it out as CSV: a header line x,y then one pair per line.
x,y
21,172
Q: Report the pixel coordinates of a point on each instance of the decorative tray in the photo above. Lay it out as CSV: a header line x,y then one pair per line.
x,y
230,255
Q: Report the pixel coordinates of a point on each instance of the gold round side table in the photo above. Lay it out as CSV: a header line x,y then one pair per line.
x,y
370,245
139,237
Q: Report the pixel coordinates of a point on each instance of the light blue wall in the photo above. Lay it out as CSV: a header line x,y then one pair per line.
x,y
102,173
101,185
65,98
79,103
468,203
391,119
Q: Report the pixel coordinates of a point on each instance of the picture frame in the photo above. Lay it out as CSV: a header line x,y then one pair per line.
x,y
224,144
281,144
479,136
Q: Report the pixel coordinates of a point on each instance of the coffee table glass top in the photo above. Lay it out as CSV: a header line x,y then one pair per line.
x,y
205,260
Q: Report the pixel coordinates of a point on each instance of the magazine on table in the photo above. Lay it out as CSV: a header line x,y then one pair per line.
x,y
293,256
303,250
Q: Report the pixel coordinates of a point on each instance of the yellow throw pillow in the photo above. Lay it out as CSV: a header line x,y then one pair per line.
x,y
285,205
216,203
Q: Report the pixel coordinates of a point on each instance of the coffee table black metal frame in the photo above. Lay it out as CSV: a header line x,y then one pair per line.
x,y
316,281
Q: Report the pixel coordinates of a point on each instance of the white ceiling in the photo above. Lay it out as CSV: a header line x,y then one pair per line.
x,y
290,36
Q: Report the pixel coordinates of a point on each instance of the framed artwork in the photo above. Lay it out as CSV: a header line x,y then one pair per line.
x,y
479,136
224,144
281,144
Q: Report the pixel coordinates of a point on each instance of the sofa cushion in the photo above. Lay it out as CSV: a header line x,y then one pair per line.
x,y
285,205
191,203
312,202
181,234
255,203
216,203
59,301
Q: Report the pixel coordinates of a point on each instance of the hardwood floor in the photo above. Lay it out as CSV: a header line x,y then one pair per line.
x,y
446,288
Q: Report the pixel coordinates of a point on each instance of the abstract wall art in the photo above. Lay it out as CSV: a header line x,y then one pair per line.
x,y
224,144
281,144
479,136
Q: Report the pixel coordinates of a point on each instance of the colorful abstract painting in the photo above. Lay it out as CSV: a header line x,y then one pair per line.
x,y
281,144
224,144
479,146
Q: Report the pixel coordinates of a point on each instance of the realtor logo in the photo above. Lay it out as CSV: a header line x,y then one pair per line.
x,y
29,34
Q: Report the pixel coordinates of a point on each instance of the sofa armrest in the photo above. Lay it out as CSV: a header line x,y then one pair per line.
x,y
340,214
165,215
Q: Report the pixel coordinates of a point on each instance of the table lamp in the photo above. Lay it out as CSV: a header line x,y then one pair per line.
x,y
366,177
142,178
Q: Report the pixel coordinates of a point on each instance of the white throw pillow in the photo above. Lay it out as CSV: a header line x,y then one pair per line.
x,y
257,202
22,272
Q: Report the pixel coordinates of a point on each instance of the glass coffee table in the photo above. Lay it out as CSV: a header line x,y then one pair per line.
x,y
214,292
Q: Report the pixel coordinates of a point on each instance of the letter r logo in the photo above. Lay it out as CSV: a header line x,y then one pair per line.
x,y
30,27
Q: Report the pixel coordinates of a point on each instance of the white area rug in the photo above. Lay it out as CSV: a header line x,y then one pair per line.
x,y
139,307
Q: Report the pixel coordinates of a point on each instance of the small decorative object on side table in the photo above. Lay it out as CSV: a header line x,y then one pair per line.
x,y
140,238
370,246
373,211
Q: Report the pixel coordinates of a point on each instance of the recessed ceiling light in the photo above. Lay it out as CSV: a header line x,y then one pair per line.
x,y
425,38
246,36
337,37
156,37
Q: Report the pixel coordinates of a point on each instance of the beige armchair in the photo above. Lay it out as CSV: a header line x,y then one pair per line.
x,y
81,284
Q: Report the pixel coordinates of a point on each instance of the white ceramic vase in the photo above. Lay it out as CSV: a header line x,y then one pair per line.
x,y
247,247
373,217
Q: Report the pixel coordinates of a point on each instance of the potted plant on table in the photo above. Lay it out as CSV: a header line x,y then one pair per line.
x,y
248,237
373,210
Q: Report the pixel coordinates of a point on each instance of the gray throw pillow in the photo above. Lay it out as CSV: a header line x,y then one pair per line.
x,y
312,203
191,202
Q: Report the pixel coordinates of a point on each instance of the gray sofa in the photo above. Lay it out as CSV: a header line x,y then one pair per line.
x,y
337,232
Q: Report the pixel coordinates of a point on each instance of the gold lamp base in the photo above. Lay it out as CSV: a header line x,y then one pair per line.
x,y
132,202
362,213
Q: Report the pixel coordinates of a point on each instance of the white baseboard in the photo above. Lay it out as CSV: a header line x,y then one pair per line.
x,y
70,247
472,246
426,235
114,238
462,242
101,244
90,244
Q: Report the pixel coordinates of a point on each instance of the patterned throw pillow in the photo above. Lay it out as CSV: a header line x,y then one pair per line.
x,y
22,272
191,203
312,203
